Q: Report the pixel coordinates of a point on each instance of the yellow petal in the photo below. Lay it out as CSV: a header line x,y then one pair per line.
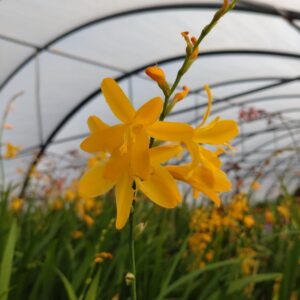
x,y
124,197
104,140
170,131
140,157
193,148
117,164
209,96
211,194
117,100
161,188
164,153
222,183
180,172
93,183
148,113
95,124
202,180
221,132
209,158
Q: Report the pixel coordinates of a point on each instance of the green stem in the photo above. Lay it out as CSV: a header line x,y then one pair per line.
x,y
132,252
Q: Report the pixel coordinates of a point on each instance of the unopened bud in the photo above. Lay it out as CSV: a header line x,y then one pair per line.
x,y
158,75
129,278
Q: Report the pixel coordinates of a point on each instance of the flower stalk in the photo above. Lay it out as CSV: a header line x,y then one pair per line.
x,y
132,252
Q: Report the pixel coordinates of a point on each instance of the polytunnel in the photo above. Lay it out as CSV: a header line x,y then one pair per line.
x,y
54,55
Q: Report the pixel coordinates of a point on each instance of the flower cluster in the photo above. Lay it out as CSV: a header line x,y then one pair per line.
x,y
131,162
211,222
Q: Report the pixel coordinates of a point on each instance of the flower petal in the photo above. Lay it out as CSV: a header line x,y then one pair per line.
x,y
222,132
95,124
117,100
124,197
222,183
211,194
93,183
117,164
164,153
161,188
104,140
148,113
193,148
209,158
140,158
207,112
170,131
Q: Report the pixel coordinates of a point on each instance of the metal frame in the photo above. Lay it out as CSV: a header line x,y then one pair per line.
x,y
246,7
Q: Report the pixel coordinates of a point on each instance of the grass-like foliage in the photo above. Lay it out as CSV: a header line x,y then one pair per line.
x,y
186,253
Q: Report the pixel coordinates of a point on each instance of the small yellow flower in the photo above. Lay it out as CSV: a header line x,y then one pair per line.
x,y
284,212
89,204
16,205
269,217
77,234
88,220
11,151
209,255
249,221
255,185
101,256
57,204
69,195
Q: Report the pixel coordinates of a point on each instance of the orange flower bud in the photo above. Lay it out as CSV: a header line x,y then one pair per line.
x,y
181,95
156,74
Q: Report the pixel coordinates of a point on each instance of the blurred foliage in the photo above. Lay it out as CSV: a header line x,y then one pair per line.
x,y
70,249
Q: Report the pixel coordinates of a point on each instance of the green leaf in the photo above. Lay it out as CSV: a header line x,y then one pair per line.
x,y
290,271
68,286
92,292
240,284
173,267
194,274
7,261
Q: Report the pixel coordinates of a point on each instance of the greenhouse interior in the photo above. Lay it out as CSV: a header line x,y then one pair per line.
x,y
149,149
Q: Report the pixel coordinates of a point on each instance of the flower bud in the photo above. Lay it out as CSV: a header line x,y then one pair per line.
x,y
129,278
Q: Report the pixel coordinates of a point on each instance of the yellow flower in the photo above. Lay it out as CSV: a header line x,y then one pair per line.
x,y
204,173
16,205
209,255
11,151
101,256
249,221
69,195
77,234
57,204
255,185
284,212
88,220
89,204
159,187
130,157
269,217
